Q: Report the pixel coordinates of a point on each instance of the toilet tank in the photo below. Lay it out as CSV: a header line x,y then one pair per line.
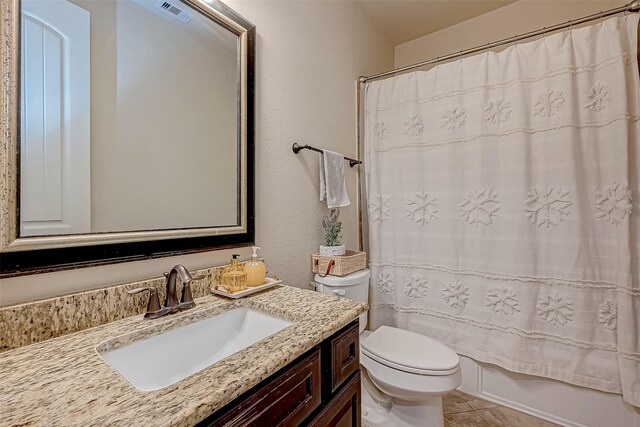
x,y
354,286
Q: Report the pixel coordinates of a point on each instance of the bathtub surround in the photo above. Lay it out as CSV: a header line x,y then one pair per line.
x,y
95,394
483,177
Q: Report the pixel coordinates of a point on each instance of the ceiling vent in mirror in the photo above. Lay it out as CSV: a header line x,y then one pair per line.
x,y
175,11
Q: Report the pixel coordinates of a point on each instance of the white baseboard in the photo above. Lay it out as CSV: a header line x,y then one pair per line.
x,y
555,401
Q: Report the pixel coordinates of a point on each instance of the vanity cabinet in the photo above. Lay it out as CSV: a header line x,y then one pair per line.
x,y
344,409
320,388
343,358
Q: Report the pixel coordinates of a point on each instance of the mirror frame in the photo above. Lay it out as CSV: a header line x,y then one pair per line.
x,y
39,254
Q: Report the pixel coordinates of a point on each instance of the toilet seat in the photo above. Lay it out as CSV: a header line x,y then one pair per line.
x,y
410,352
407,386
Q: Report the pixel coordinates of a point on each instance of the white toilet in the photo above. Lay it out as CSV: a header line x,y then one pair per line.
x,y
405,374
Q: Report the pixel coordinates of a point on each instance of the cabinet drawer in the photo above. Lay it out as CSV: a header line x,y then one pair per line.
x,y
345,355
344,409
285,401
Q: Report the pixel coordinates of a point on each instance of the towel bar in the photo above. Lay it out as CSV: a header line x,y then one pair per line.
x,y
297,147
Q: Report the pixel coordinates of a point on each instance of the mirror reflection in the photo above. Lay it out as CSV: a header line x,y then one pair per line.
x,y
128,118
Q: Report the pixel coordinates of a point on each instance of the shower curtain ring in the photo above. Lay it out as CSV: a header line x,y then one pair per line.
x,y
544,33
570,26
601,13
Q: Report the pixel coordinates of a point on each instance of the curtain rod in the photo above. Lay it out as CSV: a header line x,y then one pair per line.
x,y
634,6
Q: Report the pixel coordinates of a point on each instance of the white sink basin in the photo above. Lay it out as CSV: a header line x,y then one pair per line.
x,y
164,359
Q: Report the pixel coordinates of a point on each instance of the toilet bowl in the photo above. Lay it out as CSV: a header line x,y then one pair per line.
x,y
404,374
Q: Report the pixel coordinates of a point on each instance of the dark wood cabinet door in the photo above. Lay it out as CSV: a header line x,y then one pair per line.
x,y
344,408
285,401
344,351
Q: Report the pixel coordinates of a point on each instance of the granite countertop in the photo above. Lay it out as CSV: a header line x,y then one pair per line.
x,y
64,381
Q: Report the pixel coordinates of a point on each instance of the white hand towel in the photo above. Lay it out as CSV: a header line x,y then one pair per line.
x,y
332,185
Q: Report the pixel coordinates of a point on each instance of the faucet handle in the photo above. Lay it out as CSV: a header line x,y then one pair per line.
x,y
186,301
153,306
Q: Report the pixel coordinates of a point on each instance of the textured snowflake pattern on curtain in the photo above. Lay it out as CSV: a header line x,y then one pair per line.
x,y
503,206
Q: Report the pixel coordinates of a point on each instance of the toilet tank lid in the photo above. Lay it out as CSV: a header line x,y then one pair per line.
x,y
348,280
410,350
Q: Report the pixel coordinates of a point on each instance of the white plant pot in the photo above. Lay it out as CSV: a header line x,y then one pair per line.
x,y
333,250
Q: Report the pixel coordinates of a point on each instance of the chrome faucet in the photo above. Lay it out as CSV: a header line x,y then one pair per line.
x,y
171,303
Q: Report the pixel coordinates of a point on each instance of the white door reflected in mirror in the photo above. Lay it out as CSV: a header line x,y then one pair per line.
x,y
54,150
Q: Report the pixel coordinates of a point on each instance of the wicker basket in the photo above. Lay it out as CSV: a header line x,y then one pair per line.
x,y
349,263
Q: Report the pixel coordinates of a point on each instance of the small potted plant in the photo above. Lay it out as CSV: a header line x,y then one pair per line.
x,y
332,234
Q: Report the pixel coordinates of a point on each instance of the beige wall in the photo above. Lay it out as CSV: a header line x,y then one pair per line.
x,y
163,108
516,18
176,134
309,55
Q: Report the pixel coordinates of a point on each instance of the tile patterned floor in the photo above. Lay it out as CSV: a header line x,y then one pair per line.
x,y
464,410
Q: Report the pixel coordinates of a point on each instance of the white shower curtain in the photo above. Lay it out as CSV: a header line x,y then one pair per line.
x,y
503,206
